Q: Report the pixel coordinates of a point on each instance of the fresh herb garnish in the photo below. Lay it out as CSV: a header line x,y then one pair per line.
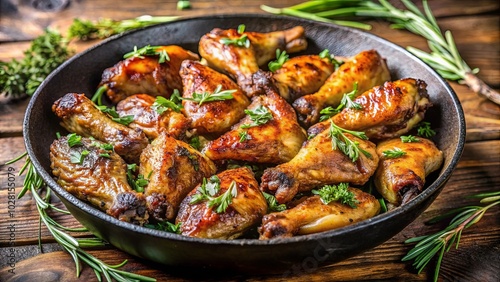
x,y
340,192
166,226
149,50
241,41
195,142
345,145
272,203
281,58
345,102
125,120
183,5
425,130
394,153
74,139
428,246
258,116
217,95
326,54
208,190
162,104
137,183
409,139
78,157
244,136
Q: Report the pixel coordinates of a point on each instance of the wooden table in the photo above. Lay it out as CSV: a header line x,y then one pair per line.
x,y
475,26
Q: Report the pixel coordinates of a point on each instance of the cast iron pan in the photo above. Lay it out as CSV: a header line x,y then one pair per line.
x,y
289,256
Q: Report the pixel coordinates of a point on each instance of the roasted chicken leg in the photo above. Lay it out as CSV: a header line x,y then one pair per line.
x,y
215,117
246,208
311,215
98,176
242,62
276,141
145,74
367,69
80,115
173,168
316,164
387,111
402,178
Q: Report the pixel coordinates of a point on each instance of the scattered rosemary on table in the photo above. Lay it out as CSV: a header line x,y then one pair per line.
x,y
444,56
428,246
33,183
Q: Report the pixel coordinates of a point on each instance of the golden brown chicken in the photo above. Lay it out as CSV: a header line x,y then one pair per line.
x,y
146,118
302,75
311,215
92,173
212,117
269,133
367,69
80,115
173,169
240,55
319,163
202,213
145,74
387,111
401,175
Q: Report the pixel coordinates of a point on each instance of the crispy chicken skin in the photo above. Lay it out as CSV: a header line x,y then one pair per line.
x,y
99,180
311,215
245,211
146,75
302,75
274,142
214,117
367,68
318,164
173,168
149,121
388,111
80,115
401,179
242,63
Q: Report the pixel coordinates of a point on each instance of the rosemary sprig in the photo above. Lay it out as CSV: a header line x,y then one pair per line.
x,y
444,56
105,27
217,95
350,148
428,246
74,246
394,153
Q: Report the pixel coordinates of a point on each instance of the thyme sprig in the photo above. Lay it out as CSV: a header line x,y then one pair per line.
x,y
444,56
428,246
34,183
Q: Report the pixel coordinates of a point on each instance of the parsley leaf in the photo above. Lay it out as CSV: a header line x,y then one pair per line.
x,y
208,190
242,41
341,193
162,104
258,116
326,54
78,157
345,102
166,226
217,95
281,58
74,139
136,183
272,203
125,120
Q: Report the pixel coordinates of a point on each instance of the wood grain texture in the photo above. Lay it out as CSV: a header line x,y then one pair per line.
x,y
475,26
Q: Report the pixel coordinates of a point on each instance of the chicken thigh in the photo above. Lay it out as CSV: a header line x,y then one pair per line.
x,y
97,175
269,133
367,69
242,61
145,74
173,169
213,117
387,111
245,208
